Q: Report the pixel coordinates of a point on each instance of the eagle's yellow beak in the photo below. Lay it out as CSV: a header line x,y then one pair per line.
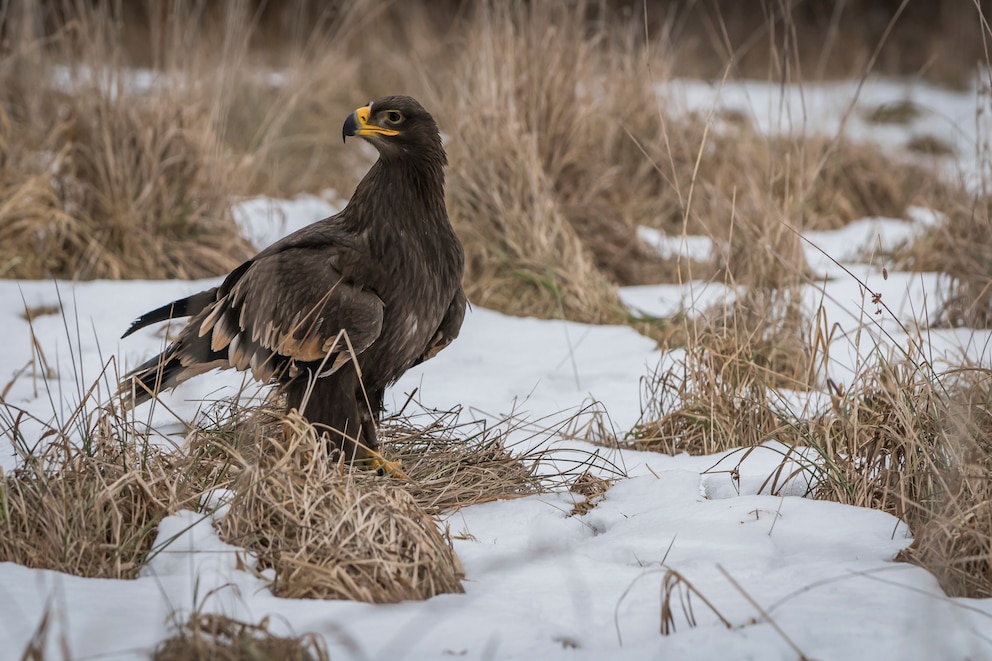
x,y
358,124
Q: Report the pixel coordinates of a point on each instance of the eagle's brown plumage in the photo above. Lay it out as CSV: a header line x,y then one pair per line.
x,y
381,279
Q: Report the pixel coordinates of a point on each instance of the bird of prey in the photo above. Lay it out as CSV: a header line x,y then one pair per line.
x,y
339,310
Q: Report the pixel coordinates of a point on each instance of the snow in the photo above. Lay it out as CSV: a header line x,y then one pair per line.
x,y
263,220
959,119
540,583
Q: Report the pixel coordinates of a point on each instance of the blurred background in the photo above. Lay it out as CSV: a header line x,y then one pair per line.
x,y
130,128
939,40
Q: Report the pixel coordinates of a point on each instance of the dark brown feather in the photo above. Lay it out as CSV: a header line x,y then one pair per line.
x,y
340,309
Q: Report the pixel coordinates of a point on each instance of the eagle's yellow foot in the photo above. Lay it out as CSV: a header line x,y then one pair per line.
x,y
384,467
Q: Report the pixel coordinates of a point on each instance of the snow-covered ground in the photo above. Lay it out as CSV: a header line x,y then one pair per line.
x,y
958,120
788,573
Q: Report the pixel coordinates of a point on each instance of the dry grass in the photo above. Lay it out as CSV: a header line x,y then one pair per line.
x,y
334,534
337,535
548,229
721,395
592,488
959,247
882,441
740,177
90,510
450,463
898,112
939,41
916,444
955,544
206,637
101,180
675,584
107,181
93,509
114,188
930,145
900,438
559,151
723,391
112,173
543,224
453,465
709,417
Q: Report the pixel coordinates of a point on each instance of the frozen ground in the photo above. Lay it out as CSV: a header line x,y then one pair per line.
x,y
539,584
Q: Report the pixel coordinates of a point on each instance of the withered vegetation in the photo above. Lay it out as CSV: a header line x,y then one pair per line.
x,y
329,534
211,637
109,172
560,150
329,531
89,510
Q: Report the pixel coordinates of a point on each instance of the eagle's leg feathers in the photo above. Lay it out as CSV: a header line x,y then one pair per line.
x,y
337,408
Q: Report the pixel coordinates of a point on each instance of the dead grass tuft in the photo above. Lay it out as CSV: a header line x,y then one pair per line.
x,y
881,439
959,246
102,181
956,544
722,392
708,414
91,510
955,541
930,145
337,534
897,112
453,465
592,488
765,259
548,229
219,638
748,180
330,535
916,444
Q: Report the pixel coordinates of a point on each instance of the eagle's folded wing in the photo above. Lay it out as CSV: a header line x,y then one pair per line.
x,y
289,307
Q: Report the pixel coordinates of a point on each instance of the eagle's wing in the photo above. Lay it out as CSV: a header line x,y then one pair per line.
x,y
296,304
448,329
299,302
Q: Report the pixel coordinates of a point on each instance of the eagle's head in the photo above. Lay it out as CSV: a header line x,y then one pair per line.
x,y
395,125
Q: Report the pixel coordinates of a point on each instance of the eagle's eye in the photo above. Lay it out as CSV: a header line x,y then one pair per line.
x,y
394,116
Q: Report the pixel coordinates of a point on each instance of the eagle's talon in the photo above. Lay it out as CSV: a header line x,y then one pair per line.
x,y
383,467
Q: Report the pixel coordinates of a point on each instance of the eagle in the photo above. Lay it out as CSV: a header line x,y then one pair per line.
x,y
337,311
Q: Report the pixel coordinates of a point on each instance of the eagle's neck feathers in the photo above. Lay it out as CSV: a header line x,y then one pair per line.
x,y
400,196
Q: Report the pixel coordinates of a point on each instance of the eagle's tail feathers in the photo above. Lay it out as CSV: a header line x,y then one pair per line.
x,y
162,372
184,307
185,358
